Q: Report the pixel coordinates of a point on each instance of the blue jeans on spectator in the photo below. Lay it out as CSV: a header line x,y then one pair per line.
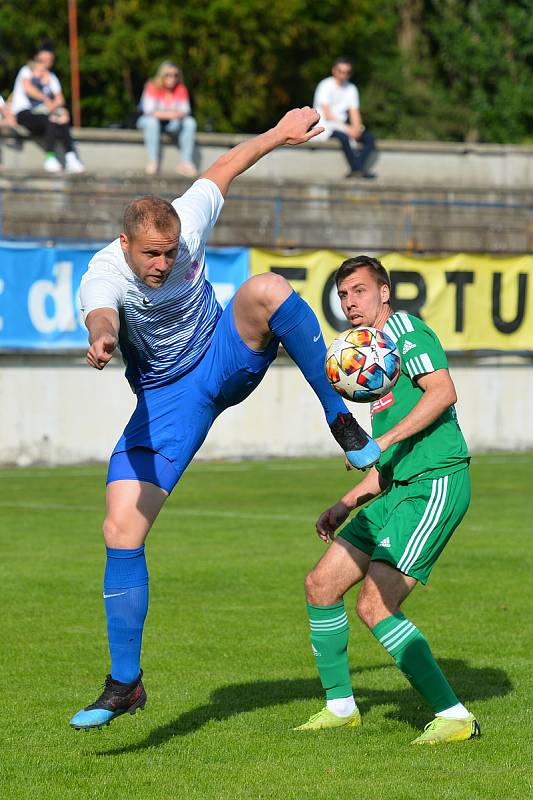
x,y
183,130
356,157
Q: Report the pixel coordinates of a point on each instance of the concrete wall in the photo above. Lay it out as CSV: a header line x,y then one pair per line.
x,y
56,410
401,163
428,196
347,215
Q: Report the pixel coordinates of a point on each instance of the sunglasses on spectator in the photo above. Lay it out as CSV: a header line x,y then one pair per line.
x,y
171,75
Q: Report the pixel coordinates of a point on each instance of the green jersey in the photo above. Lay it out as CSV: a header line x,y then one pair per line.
x,y
438,450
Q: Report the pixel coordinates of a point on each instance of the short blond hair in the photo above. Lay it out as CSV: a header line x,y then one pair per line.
x,y
149,212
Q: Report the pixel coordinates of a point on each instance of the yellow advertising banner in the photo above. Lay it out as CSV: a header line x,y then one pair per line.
x,y
473,302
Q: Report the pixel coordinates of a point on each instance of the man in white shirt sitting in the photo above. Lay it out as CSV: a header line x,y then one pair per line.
x,y
337,101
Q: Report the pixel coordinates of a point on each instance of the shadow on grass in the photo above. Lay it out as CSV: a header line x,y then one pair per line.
x,y
238,698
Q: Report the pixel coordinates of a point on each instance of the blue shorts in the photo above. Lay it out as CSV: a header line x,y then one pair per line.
x,y
171,422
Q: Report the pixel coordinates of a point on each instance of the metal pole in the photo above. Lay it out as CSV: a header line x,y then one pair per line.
x,y
74,64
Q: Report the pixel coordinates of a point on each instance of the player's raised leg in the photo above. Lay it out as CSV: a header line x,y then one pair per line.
x,y
340,568
384,590
132,507
266,305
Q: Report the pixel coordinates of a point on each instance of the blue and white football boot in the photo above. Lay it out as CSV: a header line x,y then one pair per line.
x,y
360,449
116,699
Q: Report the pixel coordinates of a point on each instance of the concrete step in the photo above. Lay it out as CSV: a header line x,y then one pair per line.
x,y
110,151
347,215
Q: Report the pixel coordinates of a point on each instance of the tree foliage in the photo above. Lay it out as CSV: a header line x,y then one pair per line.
x,y
426,69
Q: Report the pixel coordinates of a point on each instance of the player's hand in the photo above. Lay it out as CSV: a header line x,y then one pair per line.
x,y
384,442
298,125
101,351
329,521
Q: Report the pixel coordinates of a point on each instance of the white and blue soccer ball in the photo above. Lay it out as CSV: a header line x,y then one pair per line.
x,y
363,364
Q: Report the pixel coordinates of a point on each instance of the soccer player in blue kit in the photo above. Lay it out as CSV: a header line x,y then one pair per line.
x,y
186,360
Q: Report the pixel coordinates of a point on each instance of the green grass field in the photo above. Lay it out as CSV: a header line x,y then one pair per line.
x,y
227,661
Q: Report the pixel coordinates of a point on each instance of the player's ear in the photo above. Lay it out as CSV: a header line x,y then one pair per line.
x,y
385,293
123,242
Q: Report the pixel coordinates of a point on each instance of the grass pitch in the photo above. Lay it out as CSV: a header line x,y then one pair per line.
x,y
227,661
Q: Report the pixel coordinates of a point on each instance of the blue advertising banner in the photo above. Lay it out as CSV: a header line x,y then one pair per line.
x,y
39,292
227,268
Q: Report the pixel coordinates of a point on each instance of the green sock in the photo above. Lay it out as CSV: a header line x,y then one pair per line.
x,y
329,640
413,657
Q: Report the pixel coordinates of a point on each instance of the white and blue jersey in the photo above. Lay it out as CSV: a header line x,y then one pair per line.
x,y
164,331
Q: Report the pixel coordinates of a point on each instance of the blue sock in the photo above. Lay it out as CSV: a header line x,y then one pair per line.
x,y
298,329
126,604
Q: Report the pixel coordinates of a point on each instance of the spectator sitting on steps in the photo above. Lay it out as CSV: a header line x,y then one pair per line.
x,y
38,104
165,106
337,102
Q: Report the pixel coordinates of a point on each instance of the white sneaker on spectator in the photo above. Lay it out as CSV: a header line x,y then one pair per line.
x,y
51,164
72,162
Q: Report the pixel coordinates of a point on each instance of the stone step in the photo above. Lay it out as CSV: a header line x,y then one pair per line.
x,y
110,151
347,216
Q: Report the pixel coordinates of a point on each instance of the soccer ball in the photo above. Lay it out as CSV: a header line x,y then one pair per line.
x,y
363,364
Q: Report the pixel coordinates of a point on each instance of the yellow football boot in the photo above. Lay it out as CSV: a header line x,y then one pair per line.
x,y
441,730
327,719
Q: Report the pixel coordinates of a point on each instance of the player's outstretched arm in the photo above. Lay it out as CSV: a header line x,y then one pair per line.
x,y
330,519
439,394
103,326
296,127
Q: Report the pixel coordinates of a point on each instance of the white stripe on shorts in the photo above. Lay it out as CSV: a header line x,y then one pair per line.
x,y
426,525
423,537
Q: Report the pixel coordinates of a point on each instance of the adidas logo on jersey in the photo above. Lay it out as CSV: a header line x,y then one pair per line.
x,y
384,542
407,345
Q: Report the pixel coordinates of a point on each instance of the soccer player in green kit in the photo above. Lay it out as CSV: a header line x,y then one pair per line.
x,y
420,490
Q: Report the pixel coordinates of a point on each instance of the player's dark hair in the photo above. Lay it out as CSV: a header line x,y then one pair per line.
x,y
149,212
342,60
352,264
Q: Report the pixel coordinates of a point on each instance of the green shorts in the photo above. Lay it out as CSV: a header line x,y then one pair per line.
x,y
410,523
